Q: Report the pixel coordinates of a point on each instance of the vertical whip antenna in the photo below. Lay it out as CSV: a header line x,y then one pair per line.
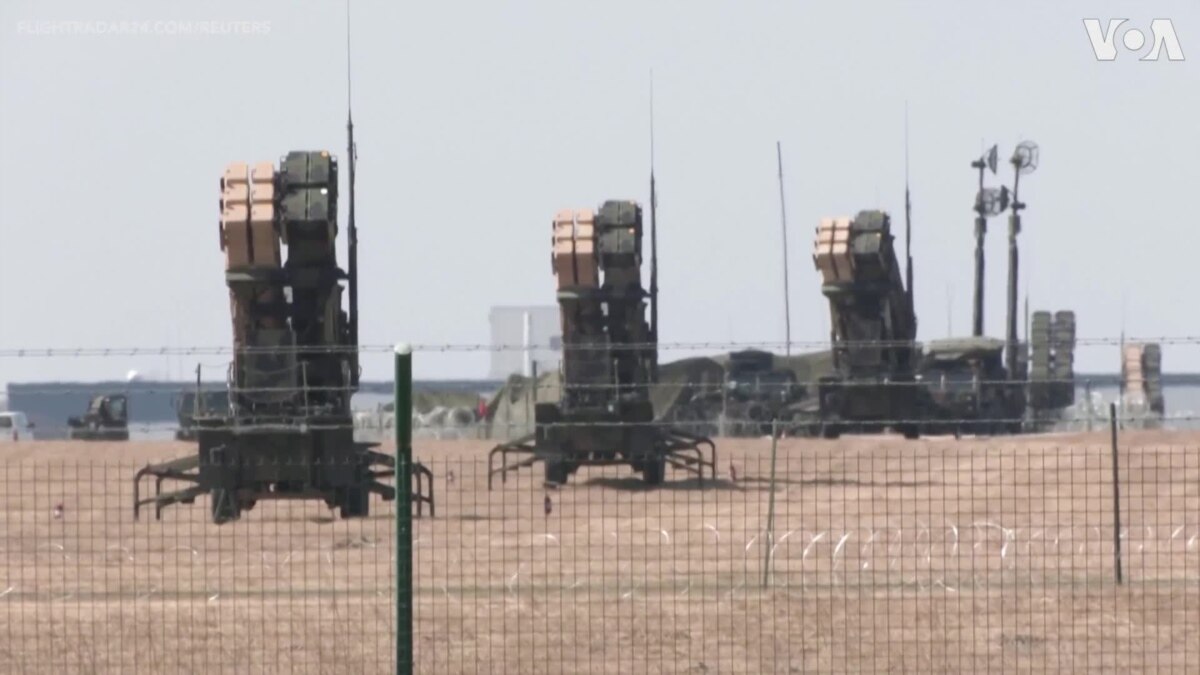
x,y
352,230
653,229
348,79
787,304
908,271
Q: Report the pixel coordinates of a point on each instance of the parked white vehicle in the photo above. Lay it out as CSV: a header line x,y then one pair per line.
x,y
14,426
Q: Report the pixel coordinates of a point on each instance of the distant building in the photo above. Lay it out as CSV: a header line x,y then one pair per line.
x,y
522,336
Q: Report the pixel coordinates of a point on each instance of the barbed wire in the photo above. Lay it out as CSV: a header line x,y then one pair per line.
x,y
185,387
822,345
683,424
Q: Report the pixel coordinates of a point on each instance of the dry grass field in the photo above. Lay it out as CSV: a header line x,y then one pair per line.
x,y
883,555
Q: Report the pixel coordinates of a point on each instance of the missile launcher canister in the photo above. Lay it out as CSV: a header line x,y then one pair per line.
x,y
604,414
873,328
287,431
1141,382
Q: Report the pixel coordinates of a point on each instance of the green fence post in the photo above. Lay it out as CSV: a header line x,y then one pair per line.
x,y
402,423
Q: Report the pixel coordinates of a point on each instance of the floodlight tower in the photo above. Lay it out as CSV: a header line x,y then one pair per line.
x,y
988,202
1024,161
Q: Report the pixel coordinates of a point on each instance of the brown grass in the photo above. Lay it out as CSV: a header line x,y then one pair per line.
x,y
929,556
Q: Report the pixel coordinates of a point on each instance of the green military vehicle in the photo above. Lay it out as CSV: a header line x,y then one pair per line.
x,y
106,419
968,388
757,393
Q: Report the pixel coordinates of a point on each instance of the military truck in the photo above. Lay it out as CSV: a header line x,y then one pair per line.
x,y
969,389
106,419
873,330
756,393
604,414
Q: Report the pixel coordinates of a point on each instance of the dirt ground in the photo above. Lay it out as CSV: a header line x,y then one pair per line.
x,y
879,554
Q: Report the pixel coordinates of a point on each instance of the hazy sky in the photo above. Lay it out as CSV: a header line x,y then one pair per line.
x,y
477,120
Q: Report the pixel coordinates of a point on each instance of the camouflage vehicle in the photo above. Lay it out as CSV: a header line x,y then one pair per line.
x,y
757,389
604,413
969,389
758,393
874,329
106,419
288,431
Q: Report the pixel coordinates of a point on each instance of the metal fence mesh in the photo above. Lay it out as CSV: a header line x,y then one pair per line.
x,y
86,589
879,555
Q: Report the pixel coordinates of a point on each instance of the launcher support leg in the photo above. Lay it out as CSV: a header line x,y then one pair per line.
x,y
521,446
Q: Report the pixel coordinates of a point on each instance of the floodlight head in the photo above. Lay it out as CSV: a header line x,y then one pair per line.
x,y
1025,157
991,159
991,201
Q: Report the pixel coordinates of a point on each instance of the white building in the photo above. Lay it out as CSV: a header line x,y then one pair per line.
x,y
522,337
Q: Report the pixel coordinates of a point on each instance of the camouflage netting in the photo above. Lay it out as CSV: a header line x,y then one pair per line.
x,y
680,381
510,411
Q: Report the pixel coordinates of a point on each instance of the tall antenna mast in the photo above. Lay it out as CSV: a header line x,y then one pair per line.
x,y
352,230
653,229
908,271
787,304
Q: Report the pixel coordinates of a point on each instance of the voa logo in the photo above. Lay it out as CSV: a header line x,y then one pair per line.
x,y
1105,43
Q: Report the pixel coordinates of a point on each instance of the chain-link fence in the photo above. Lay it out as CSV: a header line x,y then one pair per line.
x,y
863,554
971,548
86,588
